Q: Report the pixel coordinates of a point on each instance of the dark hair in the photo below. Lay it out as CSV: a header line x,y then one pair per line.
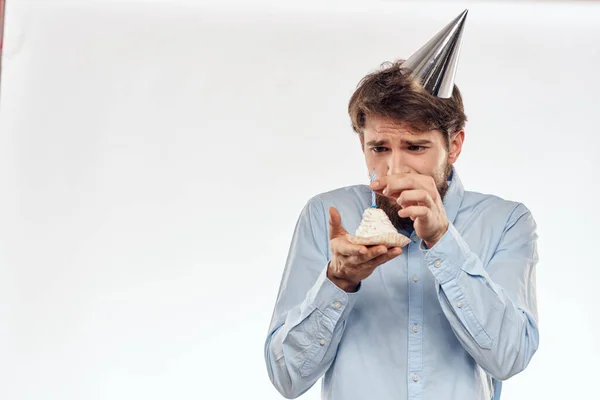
x,y
390,92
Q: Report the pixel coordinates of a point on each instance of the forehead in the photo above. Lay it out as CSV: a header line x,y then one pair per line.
x,y
377,127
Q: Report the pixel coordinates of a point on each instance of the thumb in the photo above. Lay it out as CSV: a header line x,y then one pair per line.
x,y
335,224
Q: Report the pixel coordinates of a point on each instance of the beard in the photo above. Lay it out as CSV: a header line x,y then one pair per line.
x,y
391,208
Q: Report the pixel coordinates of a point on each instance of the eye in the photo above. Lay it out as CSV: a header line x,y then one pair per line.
x,y
417,149
379,149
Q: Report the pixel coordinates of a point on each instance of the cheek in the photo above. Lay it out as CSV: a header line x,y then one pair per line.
x,y
423,165
437,160
379,164
430,164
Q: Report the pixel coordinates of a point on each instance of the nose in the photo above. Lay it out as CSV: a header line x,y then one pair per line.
x,y
396,163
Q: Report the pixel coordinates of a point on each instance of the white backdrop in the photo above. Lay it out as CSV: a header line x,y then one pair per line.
x,y
154,157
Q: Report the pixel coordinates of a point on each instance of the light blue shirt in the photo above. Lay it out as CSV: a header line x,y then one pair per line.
x,y
450,322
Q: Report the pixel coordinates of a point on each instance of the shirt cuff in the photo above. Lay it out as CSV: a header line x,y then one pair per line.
x,y
446,258
331,300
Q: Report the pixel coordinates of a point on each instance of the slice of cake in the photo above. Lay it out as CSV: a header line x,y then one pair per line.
x,y
375,229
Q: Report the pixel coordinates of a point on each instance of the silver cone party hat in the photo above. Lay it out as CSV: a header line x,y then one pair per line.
x,y
435,63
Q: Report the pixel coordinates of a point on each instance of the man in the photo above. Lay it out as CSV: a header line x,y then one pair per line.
x,y
449,316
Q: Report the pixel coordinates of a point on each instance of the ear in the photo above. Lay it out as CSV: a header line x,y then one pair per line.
x,y
455,146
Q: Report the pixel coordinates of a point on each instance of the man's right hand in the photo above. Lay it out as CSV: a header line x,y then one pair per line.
x,y
351,263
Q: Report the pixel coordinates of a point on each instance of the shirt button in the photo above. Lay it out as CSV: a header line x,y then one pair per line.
x,y
459,304
337,305
437,263
415,278
416,239
415,378
415,329
322,342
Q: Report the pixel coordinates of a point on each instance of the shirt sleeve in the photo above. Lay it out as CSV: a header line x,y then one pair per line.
x,y
492,308
310,312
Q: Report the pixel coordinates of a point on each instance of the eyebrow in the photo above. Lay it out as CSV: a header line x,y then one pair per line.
x,y
376,143
420,142
416,142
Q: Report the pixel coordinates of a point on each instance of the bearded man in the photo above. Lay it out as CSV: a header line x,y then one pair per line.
x,y
452,314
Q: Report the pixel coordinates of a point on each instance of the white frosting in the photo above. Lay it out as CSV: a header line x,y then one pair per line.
x,y
375,222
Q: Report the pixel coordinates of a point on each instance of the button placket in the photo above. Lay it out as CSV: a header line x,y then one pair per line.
x,y
415,316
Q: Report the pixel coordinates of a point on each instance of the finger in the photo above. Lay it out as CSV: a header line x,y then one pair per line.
x,y
343,247
375,262
392,186
381,182
373,252
335,224
398,183
418,197
414,212
404,182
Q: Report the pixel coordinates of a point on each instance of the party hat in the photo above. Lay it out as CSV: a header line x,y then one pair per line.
x,y
435,63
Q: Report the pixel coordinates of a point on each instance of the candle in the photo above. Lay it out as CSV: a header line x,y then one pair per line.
x,y
373,202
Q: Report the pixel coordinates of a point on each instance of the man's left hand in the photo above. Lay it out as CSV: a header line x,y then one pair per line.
x,y
419,200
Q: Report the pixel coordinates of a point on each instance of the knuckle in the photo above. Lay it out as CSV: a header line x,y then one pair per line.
x,y
369,264
343,265
432,185
373,263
